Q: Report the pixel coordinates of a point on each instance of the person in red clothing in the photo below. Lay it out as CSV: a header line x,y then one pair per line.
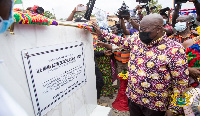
x,y
36,9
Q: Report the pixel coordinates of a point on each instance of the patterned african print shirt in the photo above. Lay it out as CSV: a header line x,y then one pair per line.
x,y
178,38
155,71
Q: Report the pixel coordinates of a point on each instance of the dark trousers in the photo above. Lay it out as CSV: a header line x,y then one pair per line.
x,y
139,110
99,81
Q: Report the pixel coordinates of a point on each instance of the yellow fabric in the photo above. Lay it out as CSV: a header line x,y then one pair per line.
x,y
198,29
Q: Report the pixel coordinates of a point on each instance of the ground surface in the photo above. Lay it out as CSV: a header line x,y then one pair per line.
x,y
110,101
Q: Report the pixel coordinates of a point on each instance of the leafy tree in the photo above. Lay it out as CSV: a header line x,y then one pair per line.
x,y
79,14
63,19
153,3
92,15
50,15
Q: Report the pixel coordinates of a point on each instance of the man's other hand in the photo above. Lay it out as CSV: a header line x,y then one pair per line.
x,y
96,28
108,52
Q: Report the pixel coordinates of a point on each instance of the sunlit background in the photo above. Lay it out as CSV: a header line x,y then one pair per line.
x,y
63,8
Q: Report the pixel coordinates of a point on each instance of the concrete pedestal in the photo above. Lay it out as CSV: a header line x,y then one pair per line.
x,y
83,102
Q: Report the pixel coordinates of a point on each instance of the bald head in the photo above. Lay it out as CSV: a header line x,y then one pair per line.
x,y
184,18
152,24
152,19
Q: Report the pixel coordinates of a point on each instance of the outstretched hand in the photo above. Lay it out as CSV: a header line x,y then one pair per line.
x,y
93,33
96,28
100,43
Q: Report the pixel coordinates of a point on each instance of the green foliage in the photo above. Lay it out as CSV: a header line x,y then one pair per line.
x,y
50,15
18,2
144,13
124,71
63,19
92,15
79,14
154,3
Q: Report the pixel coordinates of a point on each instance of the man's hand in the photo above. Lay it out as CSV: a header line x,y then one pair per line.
x,y
194,73
99,43
96,28
108,52
93,33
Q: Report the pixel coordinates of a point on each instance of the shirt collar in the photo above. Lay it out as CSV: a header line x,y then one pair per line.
x,y
189,35
156,42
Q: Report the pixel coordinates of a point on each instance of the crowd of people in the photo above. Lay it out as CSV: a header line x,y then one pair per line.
x,y
163,60
162,57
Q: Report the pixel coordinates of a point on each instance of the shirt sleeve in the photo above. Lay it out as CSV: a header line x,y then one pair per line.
x,y
178,68
120,41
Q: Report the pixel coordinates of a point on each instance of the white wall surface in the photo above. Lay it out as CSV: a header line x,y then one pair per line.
x,y
12,73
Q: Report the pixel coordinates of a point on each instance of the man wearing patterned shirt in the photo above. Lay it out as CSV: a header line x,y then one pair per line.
x,y
157,67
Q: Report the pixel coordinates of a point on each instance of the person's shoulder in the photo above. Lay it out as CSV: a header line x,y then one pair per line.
x,y
174,49
173,44
134,37
173,35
